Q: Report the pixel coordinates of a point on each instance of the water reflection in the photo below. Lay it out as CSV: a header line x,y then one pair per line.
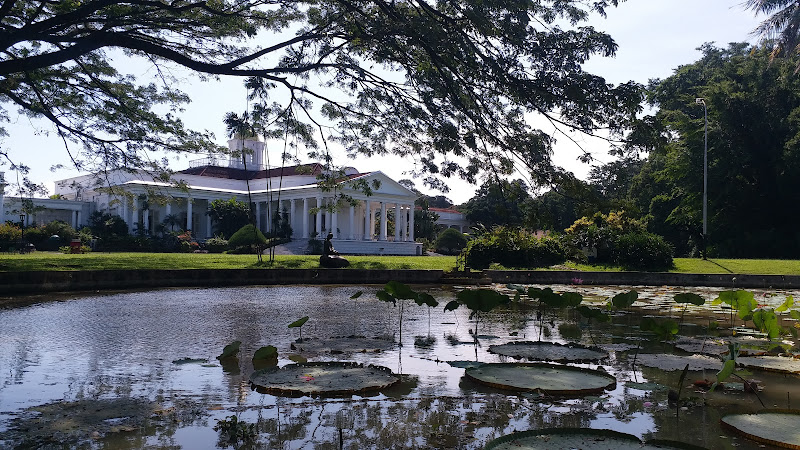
x,y
122,346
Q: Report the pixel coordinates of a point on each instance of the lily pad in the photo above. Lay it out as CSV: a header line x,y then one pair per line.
x,y
771,363
714,347
549,351
774,427
350,344
539,377
323,379
676,362
572,438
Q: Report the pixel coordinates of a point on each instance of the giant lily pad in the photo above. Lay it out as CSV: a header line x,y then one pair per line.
x,y
675,362
774,427
323,378
572,438
771,363
549,351
709,346
539,377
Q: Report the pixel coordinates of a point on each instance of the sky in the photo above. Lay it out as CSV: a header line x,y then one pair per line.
x,y
654,37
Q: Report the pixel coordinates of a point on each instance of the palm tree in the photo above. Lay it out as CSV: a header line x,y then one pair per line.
x,y
781,28
241,127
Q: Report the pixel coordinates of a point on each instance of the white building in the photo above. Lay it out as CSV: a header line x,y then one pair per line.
x,y
143,202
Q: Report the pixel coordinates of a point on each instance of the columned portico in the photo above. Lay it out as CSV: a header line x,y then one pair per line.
x,y
189,224
318,225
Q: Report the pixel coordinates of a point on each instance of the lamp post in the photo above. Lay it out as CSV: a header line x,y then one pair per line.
x,y
701,101
22,226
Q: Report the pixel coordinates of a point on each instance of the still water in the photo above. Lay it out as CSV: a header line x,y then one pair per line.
x,y
105,371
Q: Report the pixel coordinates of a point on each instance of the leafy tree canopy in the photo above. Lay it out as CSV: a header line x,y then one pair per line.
x,y
228,216
447,83
499,202
753,153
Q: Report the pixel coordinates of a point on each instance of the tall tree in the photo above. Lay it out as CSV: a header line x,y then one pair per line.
x,y
782,28
410,77
499,202
753,152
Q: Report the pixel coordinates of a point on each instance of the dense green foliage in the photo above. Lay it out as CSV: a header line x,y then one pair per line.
x,y
753,104
753,154
228,216
642,251
450,242
248,237
498,203
513,247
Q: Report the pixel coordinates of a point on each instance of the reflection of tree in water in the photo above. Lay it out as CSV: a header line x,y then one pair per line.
x,y
425,422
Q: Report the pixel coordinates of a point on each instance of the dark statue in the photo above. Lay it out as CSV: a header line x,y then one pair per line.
x,y
330,257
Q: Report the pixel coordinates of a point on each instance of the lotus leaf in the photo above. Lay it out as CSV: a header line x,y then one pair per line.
x,y
547,378
323,378
574,438
549,351
771,363
774,427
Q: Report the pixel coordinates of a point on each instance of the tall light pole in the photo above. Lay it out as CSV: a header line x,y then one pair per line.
x,y
701,101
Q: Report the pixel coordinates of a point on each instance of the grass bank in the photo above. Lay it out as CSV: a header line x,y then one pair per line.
x,y
47,261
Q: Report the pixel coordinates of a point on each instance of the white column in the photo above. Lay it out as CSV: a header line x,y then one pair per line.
x,y
384,221
258,215
291,215
403,222
74,220
397,222
352,222
335,224
209,229
77,218
146,220
305,218
134,214
318,228
169,208
188,214
367,220
411,223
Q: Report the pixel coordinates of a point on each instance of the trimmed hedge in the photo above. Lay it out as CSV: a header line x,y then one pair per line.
x,y
642,251
450,242
514,248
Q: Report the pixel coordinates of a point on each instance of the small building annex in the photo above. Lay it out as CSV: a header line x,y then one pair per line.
x,y
362,228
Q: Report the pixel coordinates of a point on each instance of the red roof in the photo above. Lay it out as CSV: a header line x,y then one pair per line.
x,y
233,173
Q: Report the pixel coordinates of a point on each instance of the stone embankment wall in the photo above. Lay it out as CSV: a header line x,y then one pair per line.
x,y
13,283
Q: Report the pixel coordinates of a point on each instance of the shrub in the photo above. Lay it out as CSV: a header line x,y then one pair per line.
x,y
9,235
104,225
216,244
514,248
314,247
248,236
450,242
642,251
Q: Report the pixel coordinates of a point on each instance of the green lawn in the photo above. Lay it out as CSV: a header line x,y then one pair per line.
x,y
106,261
109,261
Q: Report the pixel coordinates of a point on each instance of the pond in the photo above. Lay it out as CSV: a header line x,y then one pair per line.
x,y
139,369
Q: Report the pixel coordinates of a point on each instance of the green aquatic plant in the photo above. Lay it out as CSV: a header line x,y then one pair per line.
x,y
741,301
624,300
232,431
395,291
299,324
686,299
230,351
477,301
